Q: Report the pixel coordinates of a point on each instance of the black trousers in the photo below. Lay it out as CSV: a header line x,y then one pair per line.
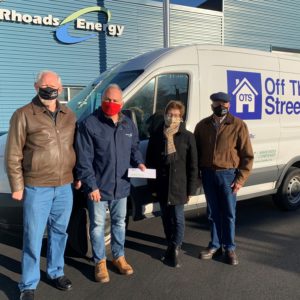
x,y
173,222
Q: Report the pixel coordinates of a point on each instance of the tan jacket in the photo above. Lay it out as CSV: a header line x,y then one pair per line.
x,y
228,147
38,151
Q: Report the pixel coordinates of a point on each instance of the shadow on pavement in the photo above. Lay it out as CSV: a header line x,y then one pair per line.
x,y
9,287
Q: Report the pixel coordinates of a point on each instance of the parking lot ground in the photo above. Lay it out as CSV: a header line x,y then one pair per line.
x,y
268,246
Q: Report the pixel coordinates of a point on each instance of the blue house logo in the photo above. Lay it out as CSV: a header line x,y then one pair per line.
x,y
246,94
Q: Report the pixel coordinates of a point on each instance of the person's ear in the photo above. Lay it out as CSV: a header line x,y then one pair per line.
x,y
36,87
60,89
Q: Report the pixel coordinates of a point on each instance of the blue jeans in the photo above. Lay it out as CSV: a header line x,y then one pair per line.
x,y
173,222
43,206
221,206
97,212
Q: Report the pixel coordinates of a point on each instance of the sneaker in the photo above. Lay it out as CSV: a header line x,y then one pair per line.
x,y
101,273
121,264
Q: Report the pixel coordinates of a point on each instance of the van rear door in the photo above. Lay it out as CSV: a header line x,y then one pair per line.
x,y
248,77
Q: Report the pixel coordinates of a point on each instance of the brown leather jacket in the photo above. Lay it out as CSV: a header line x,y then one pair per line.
x,y
229,147
38,151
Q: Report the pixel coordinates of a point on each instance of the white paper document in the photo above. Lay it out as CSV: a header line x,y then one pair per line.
x,y
137,173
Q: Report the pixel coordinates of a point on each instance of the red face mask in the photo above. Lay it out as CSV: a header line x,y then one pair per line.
x,y
110,108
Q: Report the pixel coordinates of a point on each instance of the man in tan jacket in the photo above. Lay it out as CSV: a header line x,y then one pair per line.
x,y
225,159
39,161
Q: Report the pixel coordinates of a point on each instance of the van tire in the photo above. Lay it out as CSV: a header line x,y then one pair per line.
x,y
288,194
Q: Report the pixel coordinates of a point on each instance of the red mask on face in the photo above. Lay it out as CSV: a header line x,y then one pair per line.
x,y
110,108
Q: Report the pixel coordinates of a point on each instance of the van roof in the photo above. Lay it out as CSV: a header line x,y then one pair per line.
x,y
189,52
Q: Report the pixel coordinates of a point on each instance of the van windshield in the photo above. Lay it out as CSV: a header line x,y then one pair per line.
x,y
84,103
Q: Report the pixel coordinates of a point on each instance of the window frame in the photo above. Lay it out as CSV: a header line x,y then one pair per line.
x,y
155,76
68,88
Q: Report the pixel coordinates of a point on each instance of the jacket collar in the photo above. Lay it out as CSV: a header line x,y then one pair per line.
x,y
38,107
102,117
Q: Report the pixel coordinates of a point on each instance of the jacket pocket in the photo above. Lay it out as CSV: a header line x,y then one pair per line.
x,y
27,161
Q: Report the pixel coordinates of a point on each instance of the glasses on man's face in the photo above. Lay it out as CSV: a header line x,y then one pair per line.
x,y
169,115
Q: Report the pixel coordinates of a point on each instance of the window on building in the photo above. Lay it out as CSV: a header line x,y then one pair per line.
x,y
205,4
69,92
150,101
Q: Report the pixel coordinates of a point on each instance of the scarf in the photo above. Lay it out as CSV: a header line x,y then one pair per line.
x,y
169,134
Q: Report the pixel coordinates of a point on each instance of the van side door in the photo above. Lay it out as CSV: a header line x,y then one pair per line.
x,y
150,97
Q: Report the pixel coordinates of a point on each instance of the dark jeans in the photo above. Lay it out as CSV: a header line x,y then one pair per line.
x,y
221,206
173,222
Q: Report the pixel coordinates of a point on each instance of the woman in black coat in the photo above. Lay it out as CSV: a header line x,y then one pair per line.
x,y
172,152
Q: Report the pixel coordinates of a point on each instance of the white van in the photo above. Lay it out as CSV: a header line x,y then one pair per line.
x,y
265,91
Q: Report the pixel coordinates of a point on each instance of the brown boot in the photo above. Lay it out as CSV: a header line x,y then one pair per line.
x,y
101,273
121,264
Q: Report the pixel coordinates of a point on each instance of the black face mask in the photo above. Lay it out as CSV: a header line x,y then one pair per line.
x,y
48,93
220,110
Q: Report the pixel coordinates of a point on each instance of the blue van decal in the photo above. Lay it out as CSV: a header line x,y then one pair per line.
x,y
246,94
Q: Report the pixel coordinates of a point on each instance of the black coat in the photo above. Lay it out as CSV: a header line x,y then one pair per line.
x,y
176,178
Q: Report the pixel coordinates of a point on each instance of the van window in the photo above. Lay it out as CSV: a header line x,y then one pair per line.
x,y
84,103
142,103
154,96
171,87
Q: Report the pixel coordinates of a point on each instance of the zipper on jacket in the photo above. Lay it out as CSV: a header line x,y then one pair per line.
x,y
116,156
215,145
57,133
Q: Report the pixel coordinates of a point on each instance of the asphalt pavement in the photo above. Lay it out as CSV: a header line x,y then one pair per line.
x,y
268,247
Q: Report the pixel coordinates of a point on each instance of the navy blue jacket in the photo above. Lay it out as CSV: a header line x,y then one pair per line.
x,y
105,151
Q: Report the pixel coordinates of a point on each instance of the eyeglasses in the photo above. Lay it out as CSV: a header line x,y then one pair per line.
x,y
174,116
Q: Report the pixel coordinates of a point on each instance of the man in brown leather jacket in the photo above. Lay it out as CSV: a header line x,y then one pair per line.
x,y
225,159
39,161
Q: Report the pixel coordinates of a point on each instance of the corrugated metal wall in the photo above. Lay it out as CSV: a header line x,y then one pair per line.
x,y
258,24
192,25
26,49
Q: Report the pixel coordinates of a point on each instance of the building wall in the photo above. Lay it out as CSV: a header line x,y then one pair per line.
x,y
26,49
260,24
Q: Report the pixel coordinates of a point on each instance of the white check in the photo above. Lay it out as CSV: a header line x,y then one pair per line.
x,y
137,173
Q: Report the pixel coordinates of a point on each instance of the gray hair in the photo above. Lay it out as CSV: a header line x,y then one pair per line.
x,y
112,86
42,73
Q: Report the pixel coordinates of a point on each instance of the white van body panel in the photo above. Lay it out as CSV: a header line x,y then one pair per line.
x,y
273,135
265,90
4,185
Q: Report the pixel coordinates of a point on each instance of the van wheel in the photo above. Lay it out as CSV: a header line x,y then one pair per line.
x,y
288,195
79,236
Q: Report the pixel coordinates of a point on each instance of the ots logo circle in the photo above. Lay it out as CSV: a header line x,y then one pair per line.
x,y
63,35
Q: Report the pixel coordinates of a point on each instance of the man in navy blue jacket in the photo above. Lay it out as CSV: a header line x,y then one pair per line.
x,y
107,145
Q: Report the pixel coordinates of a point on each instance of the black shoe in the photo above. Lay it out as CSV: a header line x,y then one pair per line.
x,y
231,258
62,283
209,253
27,295
166,256
174,258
